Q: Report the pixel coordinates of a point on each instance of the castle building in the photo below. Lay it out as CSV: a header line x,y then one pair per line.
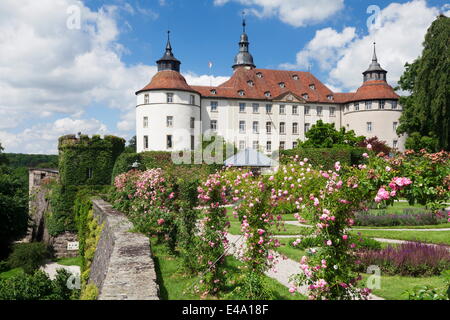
x,y
262,109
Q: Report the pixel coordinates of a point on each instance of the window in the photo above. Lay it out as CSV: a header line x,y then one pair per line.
x,y
241,107
347,107
192,143
394,126
295,77
394,105
312,86
242,126
192,123
269,146
394,143
214,125
145,122
169,121
282,109
319,111
255,127
306,127
259,75
268,108
267,94
294,109
369,126
295,128
146,98
250,83
192,99
255,145
381,104
282,145
307,108
90,172
169,142
214,106
305,96
368,105
330,97
241,145
332,111
356,106
294,144
282,85
145,142
241,92
255,108
169,97
213,91
282,128
269,127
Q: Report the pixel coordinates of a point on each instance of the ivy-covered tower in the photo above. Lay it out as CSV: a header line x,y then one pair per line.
x,y
88,161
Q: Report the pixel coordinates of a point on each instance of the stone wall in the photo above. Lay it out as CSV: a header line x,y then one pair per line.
x,y
123,268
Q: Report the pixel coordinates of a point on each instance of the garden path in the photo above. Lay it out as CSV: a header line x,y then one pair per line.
x,y
283,270
52,267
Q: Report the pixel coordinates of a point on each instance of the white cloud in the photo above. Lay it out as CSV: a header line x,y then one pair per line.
x,y
399,36
297,13
48,70
203,80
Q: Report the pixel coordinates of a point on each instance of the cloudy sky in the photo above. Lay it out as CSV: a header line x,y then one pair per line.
x,y
73,65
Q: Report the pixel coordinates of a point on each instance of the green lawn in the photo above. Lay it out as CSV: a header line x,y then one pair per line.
x,y
438,237
174,284
11,273
393,287
70,261
289,251
235,228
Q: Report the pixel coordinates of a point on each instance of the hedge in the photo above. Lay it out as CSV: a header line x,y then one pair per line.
x,y
325,157
125,162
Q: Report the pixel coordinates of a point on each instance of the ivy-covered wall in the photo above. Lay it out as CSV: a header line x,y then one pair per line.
x,y
88,161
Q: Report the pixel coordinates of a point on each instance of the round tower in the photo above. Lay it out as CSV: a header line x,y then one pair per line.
x,y
168,109
374,110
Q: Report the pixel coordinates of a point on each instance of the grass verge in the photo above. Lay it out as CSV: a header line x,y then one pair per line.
x,y
437,237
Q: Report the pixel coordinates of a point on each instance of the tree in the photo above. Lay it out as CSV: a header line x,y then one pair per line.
x,y
426,111
3,159
377,145
13,209
324,135
132,145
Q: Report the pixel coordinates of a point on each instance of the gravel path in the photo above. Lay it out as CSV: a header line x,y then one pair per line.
x,y
283,270
52,267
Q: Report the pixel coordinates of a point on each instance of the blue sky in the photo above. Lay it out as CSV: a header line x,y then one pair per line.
x,y
56,80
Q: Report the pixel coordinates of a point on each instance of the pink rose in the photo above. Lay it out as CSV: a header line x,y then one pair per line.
x,y
345,237
160,221
329,243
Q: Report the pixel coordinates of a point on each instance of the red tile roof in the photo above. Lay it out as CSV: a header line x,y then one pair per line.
x,y
167,80
376,89
268,82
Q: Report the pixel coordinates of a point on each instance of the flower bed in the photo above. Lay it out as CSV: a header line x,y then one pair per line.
x,y
419,218
408,259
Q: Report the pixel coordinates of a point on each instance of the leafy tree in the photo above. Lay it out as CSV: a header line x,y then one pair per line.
x,y
418,142
131,146
13,209
324,135
28,256
427,110
3,159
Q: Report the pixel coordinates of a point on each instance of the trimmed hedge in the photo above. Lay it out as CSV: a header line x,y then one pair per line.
x,y
78,157
124,164
326,157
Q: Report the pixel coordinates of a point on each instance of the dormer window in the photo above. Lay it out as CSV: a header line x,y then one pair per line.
x,y
259,75
305,96
330,97
282,85
241,92
267,94
213,91
295,77
250,83
312,86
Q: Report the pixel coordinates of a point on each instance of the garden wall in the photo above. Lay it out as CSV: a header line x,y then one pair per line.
x,y
123,268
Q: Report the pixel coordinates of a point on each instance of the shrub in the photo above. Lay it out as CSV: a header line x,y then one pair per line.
x,y
125,162
407,259
28,256
377,145
319,157
90,293
4,266
412,219
360,242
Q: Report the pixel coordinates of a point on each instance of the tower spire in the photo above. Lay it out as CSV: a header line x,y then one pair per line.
x,y
375,71
243,58
374,58
168,61
244,24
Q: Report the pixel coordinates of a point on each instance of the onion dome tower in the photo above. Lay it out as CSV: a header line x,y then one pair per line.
x,y
168,61
375,71
244,58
